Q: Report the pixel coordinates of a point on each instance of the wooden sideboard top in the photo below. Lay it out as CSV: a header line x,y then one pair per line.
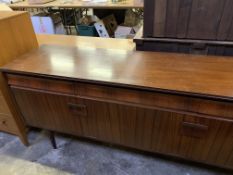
x,y
179,73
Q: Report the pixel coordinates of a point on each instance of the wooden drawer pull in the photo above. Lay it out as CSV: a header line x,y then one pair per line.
x,y
193,129
4,122
195,126
77,109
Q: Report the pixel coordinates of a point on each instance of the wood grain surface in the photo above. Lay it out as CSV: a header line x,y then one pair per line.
x,y
200,75
173,104
193,137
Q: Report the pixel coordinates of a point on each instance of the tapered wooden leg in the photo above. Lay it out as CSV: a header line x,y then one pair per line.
x,y
23,135
24,139
52,139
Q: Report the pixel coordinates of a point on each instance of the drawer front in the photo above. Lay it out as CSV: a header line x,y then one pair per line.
x,y
7,124
41,83
47,110
63,113
3,106
167,102
195,138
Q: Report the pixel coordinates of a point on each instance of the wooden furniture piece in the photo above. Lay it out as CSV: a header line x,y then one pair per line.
x,y
203,27
17,37
174,104
79,4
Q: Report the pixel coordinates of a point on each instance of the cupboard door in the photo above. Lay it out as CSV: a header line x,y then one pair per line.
x,y
66,114
195,138
48,111
131,125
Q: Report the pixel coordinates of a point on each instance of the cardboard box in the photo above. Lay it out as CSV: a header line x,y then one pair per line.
x,y
131,18
88,19
48,24
101,30
110,24
124,32
106,27
45,25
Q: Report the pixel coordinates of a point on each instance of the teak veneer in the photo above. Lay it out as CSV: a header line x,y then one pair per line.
x,y
173,104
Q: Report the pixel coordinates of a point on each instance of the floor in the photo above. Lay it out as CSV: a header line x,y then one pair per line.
x,y
83,158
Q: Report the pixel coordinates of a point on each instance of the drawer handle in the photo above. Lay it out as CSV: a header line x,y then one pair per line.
x,y
4,122
195,126
193,129
77,109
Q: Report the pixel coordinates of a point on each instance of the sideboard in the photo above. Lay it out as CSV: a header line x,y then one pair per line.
x,y
173,104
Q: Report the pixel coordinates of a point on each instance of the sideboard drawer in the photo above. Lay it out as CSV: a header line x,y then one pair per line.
x,y
61,86
7,124
48,110
163,101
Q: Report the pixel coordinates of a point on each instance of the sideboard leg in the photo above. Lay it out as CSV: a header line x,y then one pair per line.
x,y
52,139
24,140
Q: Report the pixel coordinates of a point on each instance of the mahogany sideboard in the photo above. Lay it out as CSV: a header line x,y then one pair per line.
x,y
173,104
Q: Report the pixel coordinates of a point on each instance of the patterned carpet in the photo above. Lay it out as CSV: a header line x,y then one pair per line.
x,y
83,158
